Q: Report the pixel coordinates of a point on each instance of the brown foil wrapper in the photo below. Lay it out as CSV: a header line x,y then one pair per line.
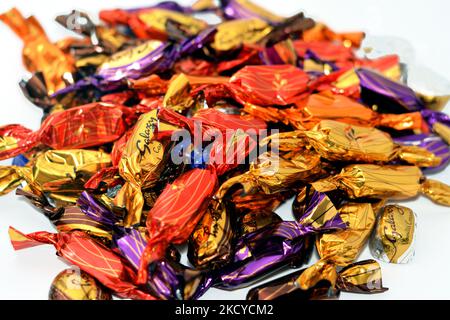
x,y
210,243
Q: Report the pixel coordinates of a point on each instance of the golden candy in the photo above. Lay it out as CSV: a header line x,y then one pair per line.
x,y
232,34
39,54
141,164
343,246
272,174
322,270
59,173
436,191
393,238
369,180
157,18
442,130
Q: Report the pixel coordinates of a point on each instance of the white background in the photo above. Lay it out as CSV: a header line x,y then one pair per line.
x,y
424,25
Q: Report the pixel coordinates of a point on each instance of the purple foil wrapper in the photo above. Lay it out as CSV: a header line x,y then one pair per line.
x,y
94,210
431,117
268,249
168,5
432,143
168,279
388,95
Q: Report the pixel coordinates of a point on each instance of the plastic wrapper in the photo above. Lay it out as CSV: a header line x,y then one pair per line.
x,y
142,161
369,180
176,213
394,235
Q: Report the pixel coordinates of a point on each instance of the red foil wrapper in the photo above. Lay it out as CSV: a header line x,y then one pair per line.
x,y
76,128
89,255
176,213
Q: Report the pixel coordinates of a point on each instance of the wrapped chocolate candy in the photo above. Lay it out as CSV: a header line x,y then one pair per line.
x,y
168,279
343,247
337,141
360,277
39,54
90,256
141,163
73,284
436,191
387,95
273,247
70,129
393,237
60,174
176,213
272,174
369,180
210,244
431,143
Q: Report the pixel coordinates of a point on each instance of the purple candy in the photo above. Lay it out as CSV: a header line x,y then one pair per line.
x,y
433,144
388,95
94,210
168,279
431,117
269,249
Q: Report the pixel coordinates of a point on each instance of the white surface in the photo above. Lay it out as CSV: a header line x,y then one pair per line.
x,y
27,274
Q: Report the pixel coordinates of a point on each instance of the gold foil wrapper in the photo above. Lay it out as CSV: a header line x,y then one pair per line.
x,y
434,102
338,141
59,173
437,191
261,12
443,131
141,164
419,156
253,221
393,237
375,181
343,247
232,34
157,18
177,96
271,173
74,284
322,270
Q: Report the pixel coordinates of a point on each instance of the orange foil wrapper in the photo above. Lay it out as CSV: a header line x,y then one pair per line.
x,y
39,54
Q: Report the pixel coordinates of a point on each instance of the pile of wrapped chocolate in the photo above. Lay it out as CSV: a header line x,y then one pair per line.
x,y
163,133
